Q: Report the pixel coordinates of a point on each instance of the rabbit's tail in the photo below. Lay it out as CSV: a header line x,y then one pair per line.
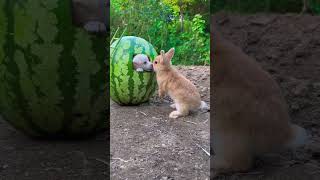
x,y
204,107
299,138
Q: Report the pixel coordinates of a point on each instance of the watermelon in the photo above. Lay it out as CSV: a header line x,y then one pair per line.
x,y
52,73
127,86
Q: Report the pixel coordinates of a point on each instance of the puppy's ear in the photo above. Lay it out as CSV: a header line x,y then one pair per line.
x,y
162,52
170,54
162,55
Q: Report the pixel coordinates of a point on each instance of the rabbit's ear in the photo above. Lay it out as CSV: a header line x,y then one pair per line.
x,y
170,54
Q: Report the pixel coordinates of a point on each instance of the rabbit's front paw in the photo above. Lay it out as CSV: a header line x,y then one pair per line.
x,y
173,106
175,114
161,94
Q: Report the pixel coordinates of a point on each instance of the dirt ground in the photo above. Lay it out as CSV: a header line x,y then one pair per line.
x,y
288,47
146,144
22,158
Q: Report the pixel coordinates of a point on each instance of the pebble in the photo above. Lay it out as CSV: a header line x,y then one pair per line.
x,y
300,89
5,166
316,85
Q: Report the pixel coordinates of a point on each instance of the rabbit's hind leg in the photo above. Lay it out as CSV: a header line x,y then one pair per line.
x,y
182,110
232,154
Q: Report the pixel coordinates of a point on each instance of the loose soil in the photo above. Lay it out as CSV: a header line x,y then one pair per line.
x,y
22,158
146,144
288,47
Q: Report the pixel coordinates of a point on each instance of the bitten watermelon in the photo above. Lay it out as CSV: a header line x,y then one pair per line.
x,y
127,86
52,74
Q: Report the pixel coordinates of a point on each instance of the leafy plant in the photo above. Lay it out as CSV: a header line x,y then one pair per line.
x,y
166,24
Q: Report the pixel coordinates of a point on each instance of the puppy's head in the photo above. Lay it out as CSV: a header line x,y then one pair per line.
x,y
163,61
91,15
142,62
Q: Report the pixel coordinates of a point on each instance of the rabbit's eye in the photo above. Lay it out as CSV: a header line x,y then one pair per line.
x,y
156,62
145,63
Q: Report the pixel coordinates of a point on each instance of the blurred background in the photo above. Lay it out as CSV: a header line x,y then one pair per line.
x,y
182,24
274,6
283,37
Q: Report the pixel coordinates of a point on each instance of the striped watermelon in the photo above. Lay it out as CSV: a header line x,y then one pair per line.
x,y
53,74
128,87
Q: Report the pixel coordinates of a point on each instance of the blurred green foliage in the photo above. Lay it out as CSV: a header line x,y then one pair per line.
x,y
182,24
254,6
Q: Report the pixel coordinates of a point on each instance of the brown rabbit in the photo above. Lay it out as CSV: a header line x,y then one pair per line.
x,y
184,94
251,116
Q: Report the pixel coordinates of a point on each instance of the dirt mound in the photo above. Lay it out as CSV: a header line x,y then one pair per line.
x,y
288,47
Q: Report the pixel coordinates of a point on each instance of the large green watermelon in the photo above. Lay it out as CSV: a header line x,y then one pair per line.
x,y
52,74
127,86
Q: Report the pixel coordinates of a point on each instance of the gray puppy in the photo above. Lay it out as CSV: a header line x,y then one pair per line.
x,y
92,15
142,63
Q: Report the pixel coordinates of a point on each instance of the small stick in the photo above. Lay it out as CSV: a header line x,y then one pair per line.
x,y
156,118
190,122
121,159
143,113
101,160
203,149
315,172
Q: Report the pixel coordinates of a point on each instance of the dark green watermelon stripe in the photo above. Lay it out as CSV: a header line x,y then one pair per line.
x,y
87,67
112,80
42,71
99,80
150,87
28,97
151,84
99,101
96,112
3,31
141,79
150,80
23,79
123,74
84,56
30,101
22,75
49,54
12,75
9,44
141,86
67,81
17,121
130,74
